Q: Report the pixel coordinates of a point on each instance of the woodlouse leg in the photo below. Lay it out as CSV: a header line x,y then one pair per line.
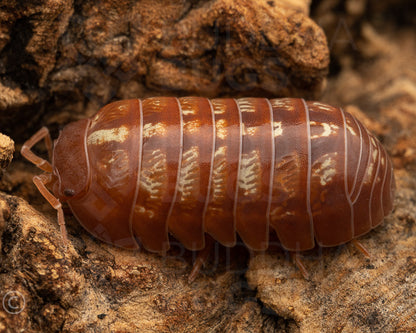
x,y
40,182
360,247
202,258
41,163
299,264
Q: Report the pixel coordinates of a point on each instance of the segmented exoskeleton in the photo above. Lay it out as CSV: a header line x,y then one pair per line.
x,y
140,169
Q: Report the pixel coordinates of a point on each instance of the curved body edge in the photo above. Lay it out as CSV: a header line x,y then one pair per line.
x,y
192,166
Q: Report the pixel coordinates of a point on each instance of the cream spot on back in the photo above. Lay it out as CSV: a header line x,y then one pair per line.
x,y
119,134
281,212
286,103
188,184
375,154
219,108
187,111
246,130
322,106
251,131
326,169
221,129
328,129
154,177
372,166
327,176
369,173
277,128
192,126
151,129
245,105
250,177
278,103
113,168
141,210
351,130
219,176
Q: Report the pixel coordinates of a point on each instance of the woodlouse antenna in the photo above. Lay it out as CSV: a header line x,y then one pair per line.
x,y
47,177
26,152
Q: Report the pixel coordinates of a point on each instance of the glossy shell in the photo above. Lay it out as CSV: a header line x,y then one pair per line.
x,y
190,166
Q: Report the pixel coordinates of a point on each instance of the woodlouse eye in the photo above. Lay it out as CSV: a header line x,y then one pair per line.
x,y
69,192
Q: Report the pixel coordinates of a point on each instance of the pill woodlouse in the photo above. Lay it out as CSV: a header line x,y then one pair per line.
x,y
140,169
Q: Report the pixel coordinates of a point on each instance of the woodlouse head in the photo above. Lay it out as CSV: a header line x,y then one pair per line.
x,y
70,161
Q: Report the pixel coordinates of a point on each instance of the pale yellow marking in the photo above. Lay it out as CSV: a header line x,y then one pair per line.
x,y
351,130
188,185
158,129
154,178
243,129
322,106
328,129
250,177
277,128
221,129
219,176
141,210
246,130
220,108
157,102
113,168
119,134
251,131
215,210
154,181
287,181
111,114
187,107
280,212
192,126
122,108
113,158
369,173
279,102
283,103
375,152
97,116
327,176
246,106
188,112
372,164
326,170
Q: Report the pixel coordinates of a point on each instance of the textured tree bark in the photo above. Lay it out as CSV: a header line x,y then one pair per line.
x,y
76,58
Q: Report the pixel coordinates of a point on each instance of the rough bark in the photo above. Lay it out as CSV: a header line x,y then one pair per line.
x,y
61,59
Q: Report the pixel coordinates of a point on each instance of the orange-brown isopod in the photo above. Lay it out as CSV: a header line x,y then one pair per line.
x,y
140,169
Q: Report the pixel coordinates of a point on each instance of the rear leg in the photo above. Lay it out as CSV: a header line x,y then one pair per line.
x,y
360,247
201,258
296,257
